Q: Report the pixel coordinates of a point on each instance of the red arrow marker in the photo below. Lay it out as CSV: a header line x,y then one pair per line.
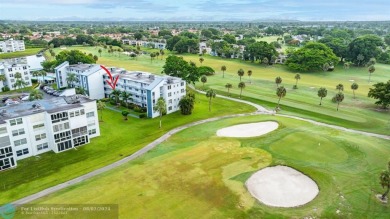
x,y
113,80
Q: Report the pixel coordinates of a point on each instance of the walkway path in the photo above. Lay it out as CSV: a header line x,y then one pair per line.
x,y
120,111
260,110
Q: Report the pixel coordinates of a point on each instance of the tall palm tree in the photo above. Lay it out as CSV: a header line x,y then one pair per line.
x,y
371,70
240,73
249,72
160,107
162,53
100,52
36,95
43,74
125,97
241,85
201,59
228,86
115,94
203,79
280,92
3,78
297,77
101,106
210,94
322,93
354,87
340,87
339,98
385,180
20,84
223,69
71,79
278,80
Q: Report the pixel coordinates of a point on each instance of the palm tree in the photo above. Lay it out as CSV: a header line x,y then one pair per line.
x,y
278,80
162,53
100,52
241,85
161,107
43,74
210,94
339,98
265,61
35,95
385,180
340,87
297,77
125,97
240,73
371,70
322,93
249,75
201,59
281,92
115,94
203,79
125,113
223,69
228,86
20,84
152,55
101,106
354,87
71,79
360,58
2,78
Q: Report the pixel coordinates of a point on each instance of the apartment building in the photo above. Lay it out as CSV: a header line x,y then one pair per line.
x,y
146,88
89,77
156,45
56,124
9,67
12,45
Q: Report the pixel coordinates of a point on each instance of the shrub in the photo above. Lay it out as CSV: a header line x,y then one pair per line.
x,y
143,115
334,100
5,88
34,81
137,109
295,87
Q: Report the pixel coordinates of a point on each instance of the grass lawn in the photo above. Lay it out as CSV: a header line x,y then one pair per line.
x,y
27,52
201,175
118,139
359,113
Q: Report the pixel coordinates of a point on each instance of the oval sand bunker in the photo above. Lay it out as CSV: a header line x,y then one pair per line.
x,y
248,130
282,186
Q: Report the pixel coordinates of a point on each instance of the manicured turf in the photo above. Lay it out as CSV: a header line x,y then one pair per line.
x,y
27,52
359,113
196,174
118,139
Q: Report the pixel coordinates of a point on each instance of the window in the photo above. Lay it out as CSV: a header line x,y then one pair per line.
x,y
61,127
91,123
82,112
92,132
42,146
79,131
64,145
182,90
38,126
169,101
18,132
80,140
20,142
169,94
71,114
169,87
3,130
40,137
182,83
16,121
59,117
90,114
62,136
22,152
170,108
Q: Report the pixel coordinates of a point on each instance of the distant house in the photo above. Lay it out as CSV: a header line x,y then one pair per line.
x,y
203,46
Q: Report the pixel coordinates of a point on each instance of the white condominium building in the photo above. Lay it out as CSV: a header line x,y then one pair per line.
x,y
9,67
12,45
56,124
146,88
89,77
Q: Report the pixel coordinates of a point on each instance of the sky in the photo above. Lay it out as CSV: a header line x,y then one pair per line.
x,y
195,10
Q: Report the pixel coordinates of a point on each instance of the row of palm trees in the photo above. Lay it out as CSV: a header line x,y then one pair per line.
x,y
40,73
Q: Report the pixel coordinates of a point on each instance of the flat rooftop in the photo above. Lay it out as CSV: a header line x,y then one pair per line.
x,y
18,61
140,76
52,105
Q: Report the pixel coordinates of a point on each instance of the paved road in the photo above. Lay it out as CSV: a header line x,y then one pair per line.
x,y
260,111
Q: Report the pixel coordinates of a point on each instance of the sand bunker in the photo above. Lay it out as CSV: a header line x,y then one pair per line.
x,y
248,130
282,186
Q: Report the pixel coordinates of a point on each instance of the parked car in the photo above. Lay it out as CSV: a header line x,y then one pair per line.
x,y
5,99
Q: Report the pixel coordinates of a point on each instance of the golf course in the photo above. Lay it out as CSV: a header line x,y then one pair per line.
x,y
202,173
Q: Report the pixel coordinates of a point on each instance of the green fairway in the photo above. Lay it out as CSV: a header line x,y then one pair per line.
x,y
27,52
359,113
201,175
119,138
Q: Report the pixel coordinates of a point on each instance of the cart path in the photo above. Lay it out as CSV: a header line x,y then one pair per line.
x,y
260,110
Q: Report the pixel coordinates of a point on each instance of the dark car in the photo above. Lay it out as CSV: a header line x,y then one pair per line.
x,y
5,99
